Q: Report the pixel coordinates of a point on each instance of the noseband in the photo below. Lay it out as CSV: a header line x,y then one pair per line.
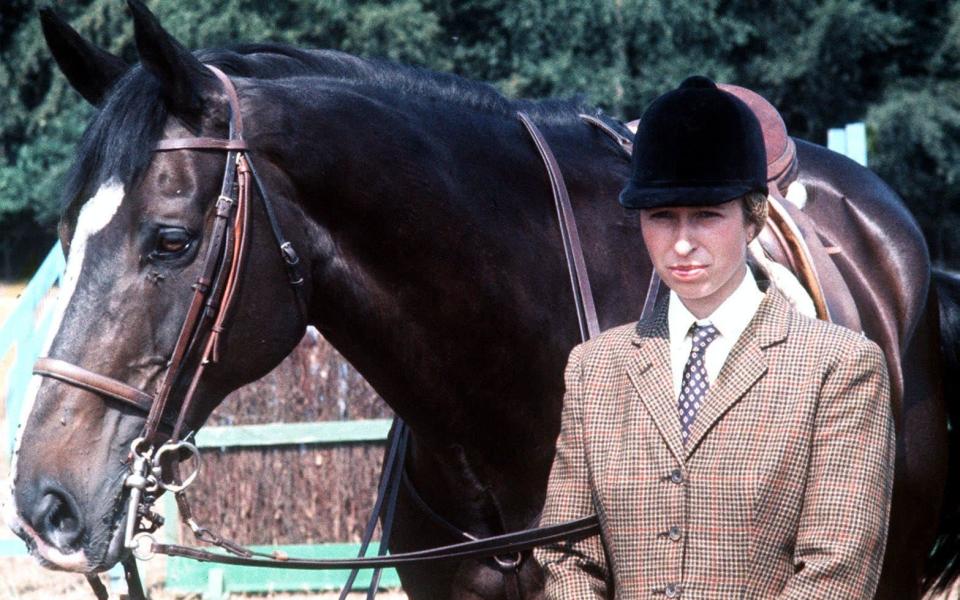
x,y
214,291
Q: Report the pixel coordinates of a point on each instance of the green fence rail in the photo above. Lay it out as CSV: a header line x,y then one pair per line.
x,y
24,333
185,575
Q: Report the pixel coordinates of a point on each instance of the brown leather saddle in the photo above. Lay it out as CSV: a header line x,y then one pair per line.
x,y
791,237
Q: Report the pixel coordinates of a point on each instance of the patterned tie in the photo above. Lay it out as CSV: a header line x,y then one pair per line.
x,y
695,383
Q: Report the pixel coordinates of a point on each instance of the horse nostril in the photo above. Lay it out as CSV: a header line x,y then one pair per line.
x,y
57,520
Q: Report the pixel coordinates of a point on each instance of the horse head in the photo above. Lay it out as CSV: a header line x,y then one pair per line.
x,y
136,229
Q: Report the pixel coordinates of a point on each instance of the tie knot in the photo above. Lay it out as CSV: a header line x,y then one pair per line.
x,y
703,335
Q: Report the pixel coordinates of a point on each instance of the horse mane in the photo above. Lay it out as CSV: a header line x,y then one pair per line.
x,y
119,139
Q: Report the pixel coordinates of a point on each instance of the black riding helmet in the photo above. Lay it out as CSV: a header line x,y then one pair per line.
x,y
695,146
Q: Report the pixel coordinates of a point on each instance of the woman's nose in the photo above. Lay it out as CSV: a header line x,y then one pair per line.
x,y
682,246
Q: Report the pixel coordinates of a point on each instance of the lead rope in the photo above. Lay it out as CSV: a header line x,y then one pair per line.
x,y
390,475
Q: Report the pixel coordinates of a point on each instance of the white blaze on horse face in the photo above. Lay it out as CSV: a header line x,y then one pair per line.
x,y
95,215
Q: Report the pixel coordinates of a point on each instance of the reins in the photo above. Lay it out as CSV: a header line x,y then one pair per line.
x,y
199,344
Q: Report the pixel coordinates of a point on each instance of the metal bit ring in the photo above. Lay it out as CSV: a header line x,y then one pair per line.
x,y
176,447
142,547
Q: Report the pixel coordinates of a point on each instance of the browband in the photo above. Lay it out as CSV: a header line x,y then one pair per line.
x,y
200,143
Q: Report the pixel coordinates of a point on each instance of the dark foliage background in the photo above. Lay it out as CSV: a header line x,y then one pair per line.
x,y
892,63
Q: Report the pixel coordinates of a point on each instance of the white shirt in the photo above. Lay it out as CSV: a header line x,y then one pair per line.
x,y
730,319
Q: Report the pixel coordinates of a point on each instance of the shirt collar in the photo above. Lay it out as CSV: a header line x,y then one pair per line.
x,y
730,318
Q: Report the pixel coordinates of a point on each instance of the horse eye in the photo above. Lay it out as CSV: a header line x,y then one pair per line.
x,y
171,242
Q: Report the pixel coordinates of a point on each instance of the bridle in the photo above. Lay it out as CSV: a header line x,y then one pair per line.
x,y
199,344
214,292
199,340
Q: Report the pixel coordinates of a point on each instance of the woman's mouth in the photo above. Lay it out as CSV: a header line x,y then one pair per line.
x,y
687,272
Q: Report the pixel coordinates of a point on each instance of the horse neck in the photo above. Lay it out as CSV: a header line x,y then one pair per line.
x,y
437,269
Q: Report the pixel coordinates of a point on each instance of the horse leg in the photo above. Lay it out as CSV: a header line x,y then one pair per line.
x,y
921,463
943,568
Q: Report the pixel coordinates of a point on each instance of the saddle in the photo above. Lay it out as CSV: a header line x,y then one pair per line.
x,y
791,237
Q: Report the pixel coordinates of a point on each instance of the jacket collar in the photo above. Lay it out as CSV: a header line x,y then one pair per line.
x,y
649,369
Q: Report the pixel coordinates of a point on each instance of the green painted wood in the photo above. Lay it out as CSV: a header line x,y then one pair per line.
x,y
184,575
46,276
280,434
25,331
12,547
22,372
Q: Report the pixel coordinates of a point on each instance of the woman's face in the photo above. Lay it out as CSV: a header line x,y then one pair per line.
x,y
700,252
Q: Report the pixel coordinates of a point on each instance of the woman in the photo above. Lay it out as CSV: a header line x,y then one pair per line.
x,y
731,447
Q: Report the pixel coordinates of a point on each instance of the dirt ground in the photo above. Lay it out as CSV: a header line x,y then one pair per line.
x,y
22,579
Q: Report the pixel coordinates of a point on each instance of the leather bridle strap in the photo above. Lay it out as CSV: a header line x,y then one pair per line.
x,y
209,285
579,279
507,543
92,382
199,143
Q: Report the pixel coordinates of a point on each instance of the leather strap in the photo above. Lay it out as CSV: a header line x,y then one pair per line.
x,y
508,543
92,382
653,291
132,576
799,253
626,143
579,279
200,143
99,590
393,465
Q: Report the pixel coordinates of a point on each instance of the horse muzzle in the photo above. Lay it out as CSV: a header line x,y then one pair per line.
x,y
52,527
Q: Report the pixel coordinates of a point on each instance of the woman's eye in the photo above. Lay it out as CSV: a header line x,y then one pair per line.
x,y
171,242
661,215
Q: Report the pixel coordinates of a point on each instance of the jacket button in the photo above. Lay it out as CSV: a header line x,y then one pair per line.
x,y
676,476
672,591
674,533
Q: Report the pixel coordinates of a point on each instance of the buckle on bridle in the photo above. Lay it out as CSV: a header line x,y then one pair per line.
x,y
289,254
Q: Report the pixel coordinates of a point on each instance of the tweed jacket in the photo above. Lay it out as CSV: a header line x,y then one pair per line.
x,y
782,490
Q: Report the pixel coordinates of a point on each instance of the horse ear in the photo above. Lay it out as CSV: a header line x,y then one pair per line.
x,y
183,79
91,70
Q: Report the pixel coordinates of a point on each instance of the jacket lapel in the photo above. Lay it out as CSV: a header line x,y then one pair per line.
x,y
745,364
649,370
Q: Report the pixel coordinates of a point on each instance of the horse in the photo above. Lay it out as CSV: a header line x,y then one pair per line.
x,y
430,258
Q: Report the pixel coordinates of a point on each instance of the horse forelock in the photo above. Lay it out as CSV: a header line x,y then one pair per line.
x,y
118,142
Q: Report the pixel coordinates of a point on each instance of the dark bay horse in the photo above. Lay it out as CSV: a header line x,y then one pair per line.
x,y
432,261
